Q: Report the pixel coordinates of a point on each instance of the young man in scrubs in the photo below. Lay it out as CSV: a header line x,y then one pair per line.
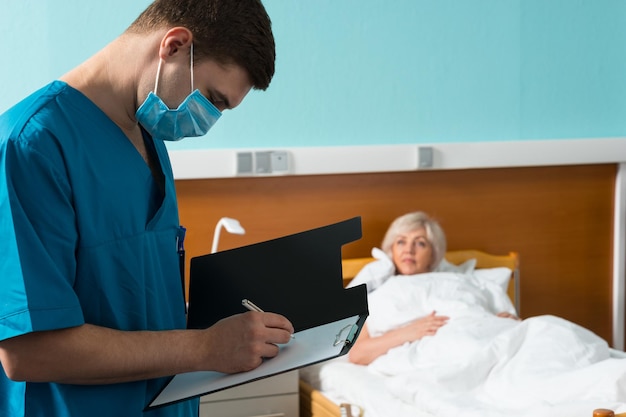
x,y
92,315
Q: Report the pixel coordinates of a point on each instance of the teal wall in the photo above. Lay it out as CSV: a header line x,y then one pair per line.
x,y
371,72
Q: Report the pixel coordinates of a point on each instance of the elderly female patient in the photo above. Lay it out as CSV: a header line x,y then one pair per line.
x,y
440,339
415,243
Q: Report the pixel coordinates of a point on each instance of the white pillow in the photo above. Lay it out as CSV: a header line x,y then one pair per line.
x,y
496,282
374,273
466,267
500,276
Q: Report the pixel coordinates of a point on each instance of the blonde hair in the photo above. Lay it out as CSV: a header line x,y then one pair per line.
x,y
412,221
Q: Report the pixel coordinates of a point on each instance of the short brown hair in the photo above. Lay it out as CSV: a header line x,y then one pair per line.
x,y
229,31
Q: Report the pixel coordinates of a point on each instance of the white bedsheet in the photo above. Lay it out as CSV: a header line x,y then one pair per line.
x,y
477,364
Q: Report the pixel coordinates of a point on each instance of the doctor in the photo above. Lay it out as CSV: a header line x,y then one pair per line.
x,y
91,310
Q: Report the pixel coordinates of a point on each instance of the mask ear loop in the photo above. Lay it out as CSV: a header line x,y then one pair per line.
x,y
158,74
156,82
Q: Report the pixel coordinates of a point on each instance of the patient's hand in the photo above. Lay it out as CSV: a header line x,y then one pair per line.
x,y
508,315
367,348
426,326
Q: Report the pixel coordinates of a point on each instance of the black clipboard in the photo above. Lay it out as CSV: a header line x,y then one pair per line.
x,y
298,276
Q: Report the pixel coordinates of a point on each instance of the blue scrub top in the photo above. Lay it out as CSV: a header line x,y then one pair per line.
x,y
87,237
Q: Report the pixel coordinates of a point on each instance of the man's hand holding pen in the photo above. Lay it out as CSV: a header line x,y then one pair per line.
x,y
239,343
253,307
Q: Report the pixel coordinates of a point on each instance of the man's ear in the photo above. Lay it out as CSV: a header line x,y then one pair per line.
x,y
174,41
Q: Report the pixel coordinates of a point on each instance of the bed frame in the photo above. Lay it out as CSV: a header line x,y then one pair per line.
x,y
314,404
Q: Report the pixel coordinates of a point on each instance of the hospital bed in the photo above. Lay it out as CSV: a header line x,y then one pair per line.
x,y
315,402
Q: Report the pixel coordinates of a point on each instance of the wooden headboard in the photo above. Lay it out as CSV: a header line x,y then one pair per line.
x,y
558,219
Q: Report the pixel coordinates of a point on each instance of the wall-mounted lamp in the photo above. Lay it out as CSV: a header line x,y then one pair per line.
x,y
231,226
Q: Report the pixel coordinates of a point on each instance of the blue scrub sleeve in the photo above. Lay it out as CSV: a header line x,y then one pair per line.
x,y
39,240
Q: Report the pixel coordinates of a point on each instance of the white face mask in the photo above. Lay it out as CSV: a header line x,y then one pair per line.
x,y
193,117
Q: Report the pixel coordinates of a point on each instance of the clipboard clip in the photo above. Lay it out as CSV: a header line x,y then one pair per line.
x,y
349,338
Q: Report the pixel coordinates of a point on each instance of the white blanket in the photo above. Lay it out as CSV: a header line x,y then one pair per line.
x,y
482,365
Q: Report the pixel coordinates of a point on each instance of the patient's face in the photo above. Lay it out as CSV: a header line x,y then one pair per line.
x,y
412,253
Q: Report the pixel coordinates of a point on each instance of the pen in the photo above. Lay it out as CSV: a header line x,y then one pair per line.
x,y
253,307
250,305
